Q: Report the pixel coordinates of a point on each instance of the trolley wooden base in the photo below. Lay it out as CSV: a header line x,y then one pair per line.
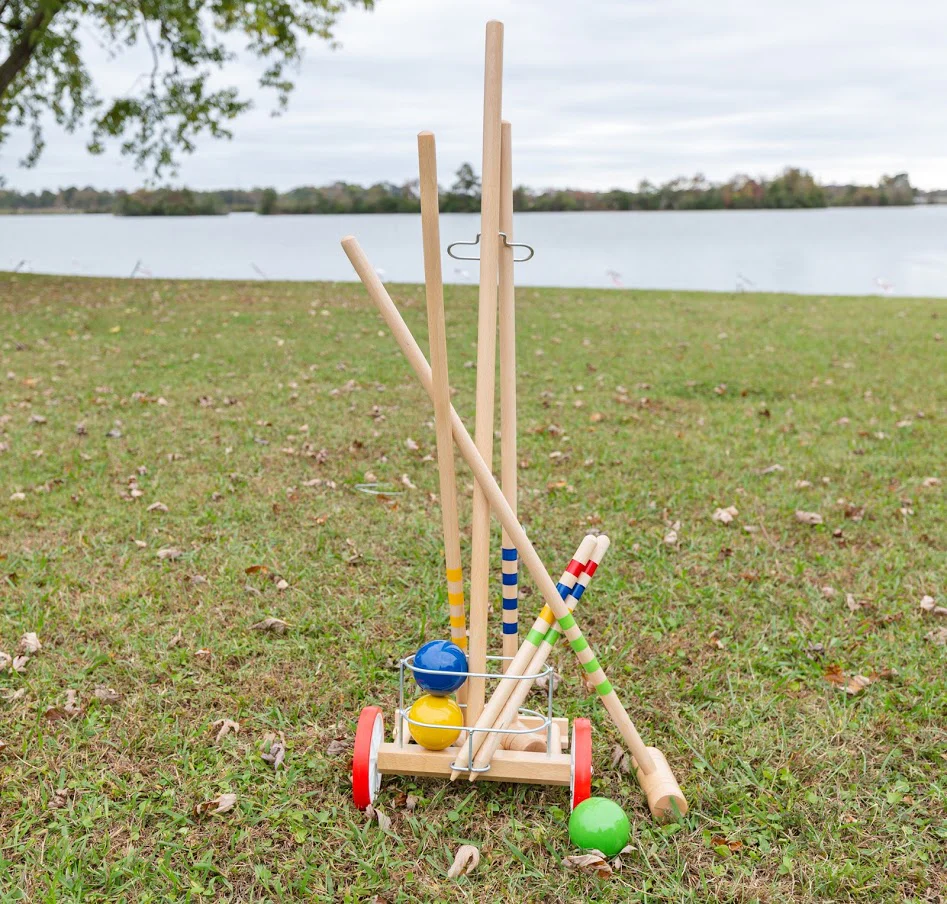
x,y
526,767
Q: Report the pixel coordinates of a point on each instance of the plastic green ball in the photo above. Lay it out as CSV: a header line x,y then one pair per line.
x,y
601,824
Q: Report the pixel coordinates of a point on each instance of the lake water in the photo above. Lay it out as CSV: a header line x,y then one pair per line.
x,y
856,251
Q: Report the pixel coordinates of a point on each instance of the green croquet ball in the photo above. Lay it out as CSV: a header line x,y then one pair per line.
x,y
601,824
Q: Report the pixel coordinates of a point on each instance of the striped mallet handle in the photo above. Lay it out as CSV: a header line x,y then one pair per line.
x,y
434,289
512,706
507,317
524,654
654,779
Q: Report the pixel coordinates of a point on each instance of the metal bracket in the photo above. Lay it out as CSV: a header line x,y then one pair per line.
x,y
506,242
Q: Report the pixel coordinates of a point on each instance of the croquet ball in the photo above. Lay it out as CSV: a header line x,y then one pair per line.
x,y
435,711
601,824
440,656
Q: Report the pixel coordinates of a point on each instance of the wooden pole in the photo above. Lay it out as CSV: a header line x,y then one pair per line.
x,y
507,304
653,773
437,337
512,706
486,363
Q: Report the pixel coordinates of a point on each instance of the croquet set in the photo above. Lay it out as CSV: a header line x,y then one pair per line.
x,y
445,725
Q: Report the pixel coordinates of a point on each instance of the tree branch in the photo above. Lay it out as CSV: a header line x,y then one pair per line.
x,y
30,36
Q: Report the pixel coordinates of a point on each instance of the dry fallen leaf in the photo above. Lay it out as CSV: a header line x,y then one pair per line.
x,y
176,641
851,684
411,444
930,482
276,625
170,553
59,799
29,644
384,821
223,728
938,636
157,507
6,661
772,469
852,603
203,658
465,862
276,751
411,802
670,538
338,746
20,663
406,481
256,569
222,804
592,862
725,515
107,695
3,745
621,759
808,517
10,696
927,604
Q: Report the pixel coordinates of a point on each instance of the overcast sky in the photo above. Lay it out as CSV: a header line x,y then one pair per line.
x,y
601,93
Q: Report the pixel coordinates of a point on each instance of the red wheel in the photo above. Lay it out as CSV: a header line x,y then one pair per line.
x,y
580,781
366,779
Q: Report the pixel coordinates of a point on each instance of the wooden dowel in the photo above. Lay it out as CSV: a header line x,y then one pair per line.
x,y
510,711
524,654
486,363
437,337
507,304
494,495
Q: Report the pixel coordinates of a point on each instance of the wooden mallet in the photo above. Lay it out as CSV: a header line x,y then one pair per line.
x,y
437,335
651,768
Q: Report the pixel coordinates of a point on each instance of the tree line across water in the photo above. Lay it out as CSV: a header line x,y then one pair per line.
x,y
793,188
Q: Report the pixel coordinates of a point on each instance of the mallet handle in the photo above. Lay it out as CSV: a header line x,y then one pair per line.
x,y
437,335
507,305
494,496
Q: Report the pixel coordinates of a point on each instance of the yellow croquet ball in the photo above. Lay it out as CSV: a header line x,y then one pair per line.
x,y
435,711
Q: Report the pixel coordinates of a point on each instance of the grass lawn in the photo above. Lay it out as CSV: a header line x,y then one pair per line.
x,y
160,439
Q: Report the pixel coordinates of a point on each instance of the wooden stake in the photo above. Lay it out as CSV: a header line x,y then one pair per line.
x,y
515,700
653,774
437,337
507,305
486,363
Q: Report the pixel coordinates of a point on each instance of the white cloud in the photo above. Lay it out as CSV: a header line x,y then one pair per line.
x,y
600,94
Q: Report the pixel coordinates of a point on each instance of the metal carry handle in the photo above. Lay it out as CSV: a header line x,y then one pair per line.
x,y
506,242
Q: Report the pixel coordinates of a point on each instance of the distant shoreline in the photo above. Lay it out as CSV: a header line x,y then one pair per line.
x,y
65,211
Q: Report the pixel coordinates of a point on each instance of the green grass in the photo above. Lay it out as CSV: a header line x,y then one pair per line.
x,y
711,643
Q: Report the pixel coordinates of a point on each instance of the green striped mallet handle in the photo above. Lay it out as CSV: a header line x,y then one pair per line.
x,y
647,771
524,654
511,709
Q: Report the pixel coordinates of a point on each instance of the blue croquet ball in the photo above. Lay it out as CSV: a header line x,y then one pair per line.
x,y
440,656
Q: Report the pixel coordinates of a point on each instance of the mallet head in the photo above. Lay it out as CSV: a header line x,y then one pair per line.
x,y
661,788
